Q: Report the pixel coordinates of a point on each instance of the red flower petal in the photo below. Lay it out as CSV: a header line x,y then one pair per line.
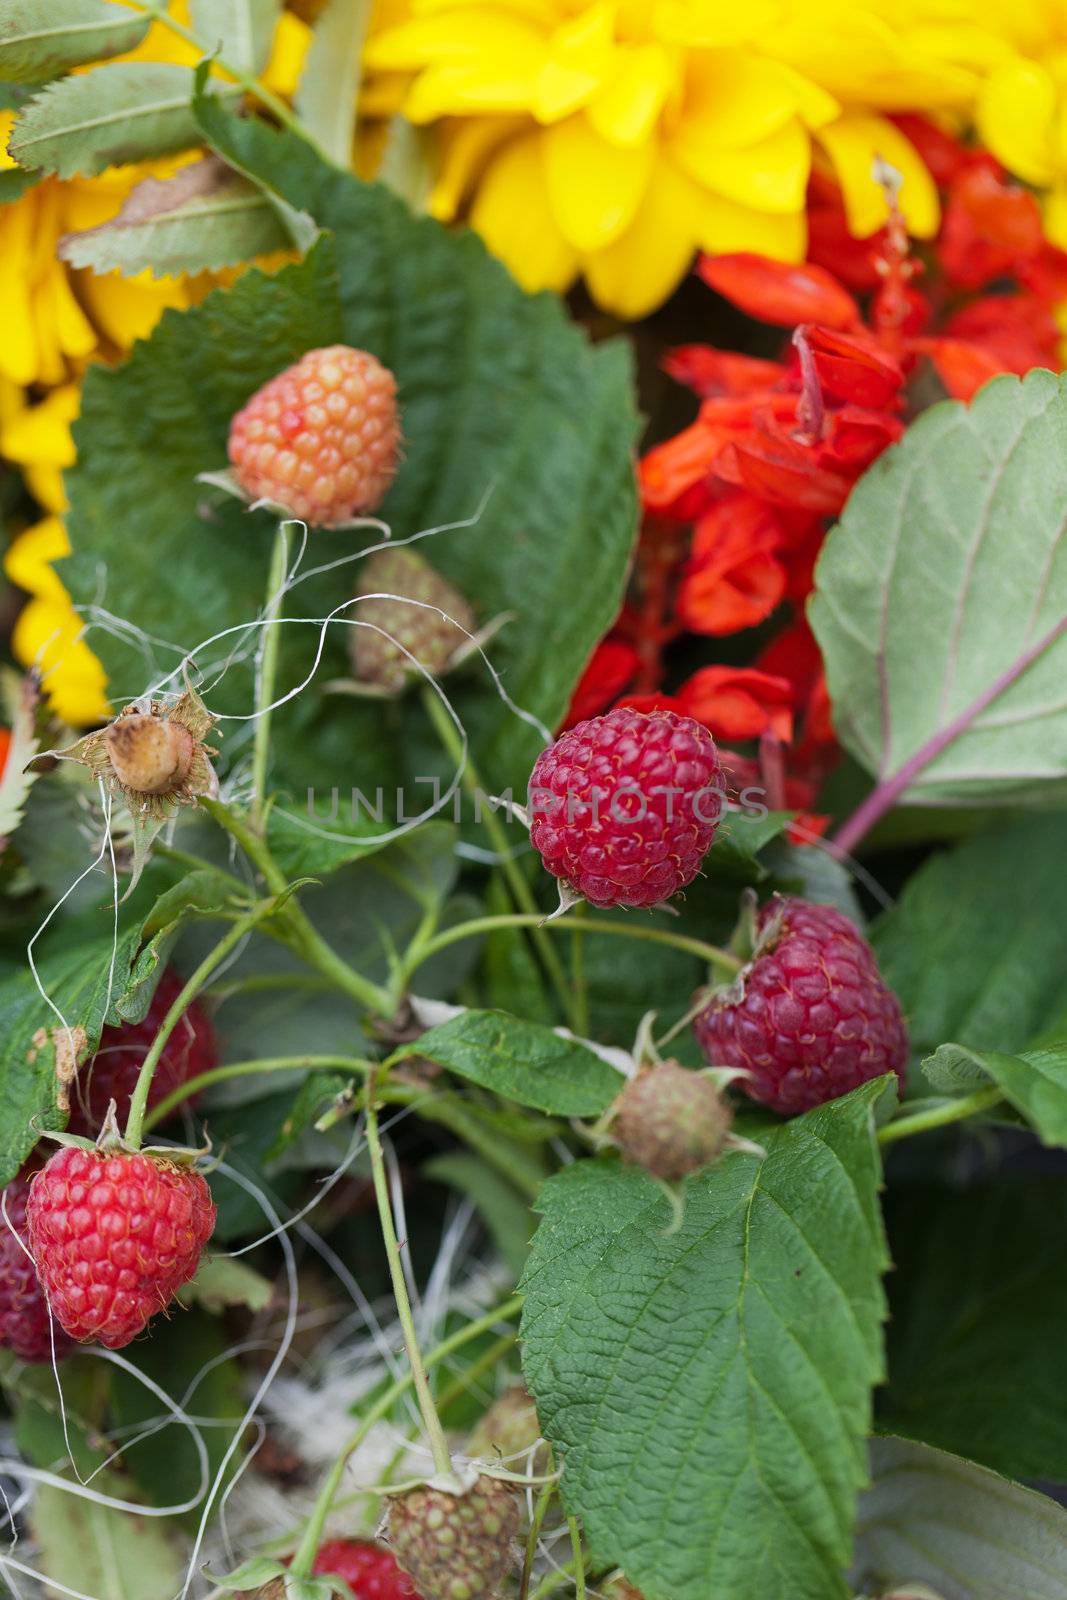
x,y
721,372
654,702
963,368
785,473
739,702
780,292
852,366
611,667
674,466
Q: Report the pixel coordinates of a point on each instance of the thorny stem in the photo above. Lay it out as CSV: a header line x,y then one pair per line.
x,y
139,1098
520,889
442,1459
678,941
307,1550
267,669
305,939
941,1116
156,9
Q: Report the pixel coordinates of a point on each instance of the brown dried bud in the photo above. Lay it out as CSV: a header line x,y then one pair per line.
x,y
671,1121
150,754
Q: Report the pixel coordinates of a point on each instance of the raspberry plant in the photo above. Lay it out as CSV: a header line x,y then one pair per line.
x,y
685,1140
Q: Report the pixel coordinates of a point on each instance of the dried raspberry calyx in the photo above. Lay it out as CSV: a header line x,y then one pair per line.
x,y
320,442
153,755
409,622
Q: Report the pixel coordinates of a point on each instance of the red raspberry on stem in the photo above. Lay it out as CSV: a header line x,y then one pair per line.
x,y
114,1236
113,1071
370,1571
321,439
810,1016
624,807
24,1326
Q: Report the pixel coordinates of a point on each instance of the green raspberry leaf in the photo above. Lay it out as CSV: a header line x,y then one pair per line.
x,y
931,1518
941,603
978,1304
709,1388
39,39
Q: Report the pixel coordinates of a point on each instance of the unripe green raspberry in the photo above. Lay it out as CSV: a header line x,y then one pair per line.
x,y
670,1121
508,1428
455,1546
379,657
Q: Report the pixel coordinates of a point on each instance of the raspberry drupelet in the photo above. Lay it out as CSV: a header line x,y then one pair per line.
x,y
810,1017
114,1237
24,1324
369,1570
321,439
624,807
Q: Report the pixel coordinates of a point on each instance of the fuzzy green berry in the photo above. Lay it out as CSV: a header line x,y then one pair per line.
x,y
508,1429
382,653
670,1121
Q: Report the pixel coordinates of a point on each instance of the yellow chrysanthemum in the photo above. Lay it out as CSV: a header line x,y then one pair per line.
x,y
616,138
48,631
1022,105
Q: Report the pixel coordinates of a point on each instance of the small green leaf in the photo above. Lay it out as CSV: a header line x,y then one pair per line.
x,y
93,1549
709,1388
978,1305
932,1518
941,602
521,1061
201,220
222,1281
1034,1082
39,39
124,112
326,98
239,30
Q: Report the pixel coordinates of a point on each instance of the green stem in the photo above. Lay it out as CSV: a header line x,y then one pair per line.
x,y
581,988
678,941
266,97
307,1550
554,1581
305,940
139,1098
521,892
442,1459
241,1069
540,1509
268,671
579,1560
941,1116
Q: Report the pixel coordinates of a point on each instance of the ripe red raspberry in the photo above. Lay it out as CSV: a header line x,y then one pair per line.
x,y
114,1237
23,1308
624,807
370,1571
112,1073
814,1019
456,1546
320,439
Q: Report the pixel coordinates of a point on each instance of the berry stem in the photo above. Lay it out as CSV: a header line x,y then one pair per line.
x,y
266,97
579,1559
678,941
193,986
307,1550
304,939
540,1509
442,1459
578,979
240,1069
941,1116
521,892
266,672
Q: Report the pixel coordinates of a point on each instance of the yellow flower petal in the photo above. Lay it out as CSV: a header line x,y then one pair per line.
x,y
734,99
626,108
1015,113
636,273
28,559
1055,214
853,143
46,486
512,213
40,435
18,347
769,176
580,56
465,88
723,226
289,48
594,187
47,634
709,24
129,308
466,148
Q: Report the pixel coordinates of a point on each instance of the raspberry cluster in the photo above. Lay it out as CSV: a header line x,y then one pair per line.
x,y
112,1073
114,1238
815,1018
624,807
321,439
